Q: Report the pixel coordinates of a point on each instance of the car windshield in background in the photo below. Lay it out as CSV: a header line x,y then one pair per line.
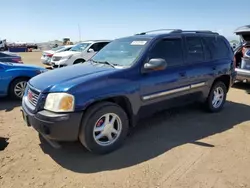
x,y
80,47
57,48
121,52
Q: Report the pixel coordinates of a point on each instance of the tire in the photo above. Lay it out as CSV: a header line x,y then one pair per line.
x,y
209,102
90,120
79,61
16,84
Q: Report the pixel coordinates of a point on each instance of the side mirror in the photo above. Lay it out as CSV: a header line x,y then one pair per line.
x,y
91,50
155,64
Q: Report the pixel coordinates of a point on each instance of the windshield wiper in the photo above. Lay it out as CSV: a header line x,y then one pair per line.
x,y
104,62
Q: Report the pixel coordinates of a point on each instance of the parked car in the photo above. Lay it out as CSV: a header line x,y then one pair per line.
x,y
14,78
47,55
10,57
78,54
130,78
242,54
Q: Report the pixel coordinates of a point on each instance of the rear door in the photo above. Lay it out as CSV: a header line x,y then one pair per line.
x,y
200,71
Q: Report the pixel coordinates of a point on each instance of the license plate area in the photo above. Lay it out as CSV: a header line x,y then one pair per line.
x,y
26,119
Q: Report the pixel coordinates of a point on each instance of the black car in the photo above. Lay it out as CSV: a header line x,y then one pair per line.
x,y
10,57
242,54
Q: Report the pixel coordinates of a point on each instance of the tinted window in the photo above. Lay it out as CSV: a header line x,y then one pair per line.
x,y
98,46
194,49
216,47
168,49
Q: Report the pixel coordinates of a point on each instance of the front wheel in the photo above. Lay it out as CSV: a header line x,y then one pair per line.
x,y
104,128
17,88
217,97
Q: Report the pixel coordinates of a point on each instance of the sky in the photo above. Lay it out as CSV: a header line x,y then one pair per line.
x,y
44,20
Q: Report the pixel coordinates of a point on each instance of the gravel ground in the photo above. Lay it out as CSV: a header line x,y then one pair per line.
x,y
179,148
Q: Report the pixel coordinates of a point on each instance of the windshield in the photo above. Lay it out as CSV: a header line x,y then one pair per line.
x,y
57,48
121,52
79,47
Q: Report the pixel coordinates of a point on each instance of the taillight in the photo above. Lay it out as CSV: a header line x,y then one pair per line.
x,y
17,60
234,63
49,55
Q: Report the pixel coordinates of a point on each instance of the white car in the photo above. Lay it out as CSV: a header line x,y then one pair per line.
x,y
47,55
78,54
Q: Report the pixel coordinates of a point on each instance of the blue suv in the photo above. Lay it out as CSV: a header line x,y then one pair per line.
x,y
98,101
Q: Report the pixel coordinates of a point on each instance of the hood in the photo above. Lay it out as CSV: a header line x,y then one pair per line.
x,y
17,65
65,54
62,79
243,30
48,52
244,33
11,53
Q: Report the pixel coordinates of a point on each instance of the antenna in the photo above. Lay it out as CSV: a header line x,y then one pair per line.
x,y
79,32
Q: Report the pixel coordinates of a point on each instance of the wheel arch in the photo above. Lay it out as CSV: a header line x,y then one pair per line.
x,y
79,59
121,101
225,79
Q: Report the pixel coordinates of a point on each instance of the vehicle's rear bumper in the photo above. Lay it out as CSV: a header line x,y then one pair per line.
x,y
54,126
243,75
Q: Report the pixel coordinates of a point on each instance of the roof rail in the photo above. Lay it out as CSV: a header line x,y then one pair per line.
x,y
195,31
178,31
172,30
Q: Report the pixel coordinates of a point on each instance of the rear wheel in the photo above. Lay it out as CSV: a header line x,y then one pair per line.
x,y
104,128
217,97
17,88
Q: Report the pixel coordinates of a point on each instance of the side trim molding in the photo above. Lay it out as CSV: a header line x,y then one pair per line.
x,y
177,90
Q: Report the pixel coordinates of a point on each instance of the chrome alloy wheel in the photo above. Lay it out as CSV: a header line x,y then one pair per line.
x,y
107,129
20,88
218,97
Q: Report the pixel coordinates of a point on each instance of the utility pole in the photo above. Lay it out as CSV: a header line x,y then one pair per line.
x,y
79,32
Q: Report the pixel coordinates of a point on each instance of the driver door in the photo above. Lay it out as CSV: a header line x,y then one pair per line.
x,y
3,81
162,89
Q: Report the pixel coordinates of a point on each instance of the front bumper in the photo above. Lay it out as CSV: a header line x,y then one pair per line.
x,y
45,61
243,75
60,63
54,126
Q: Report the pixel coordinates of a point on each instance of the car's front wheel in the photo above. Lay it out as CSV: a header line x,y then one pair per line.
x,y
104,128
17,88
217,97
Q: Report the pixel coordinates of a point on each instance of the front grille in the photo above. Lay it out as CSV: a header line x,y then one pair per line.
x,y
33,96
55,58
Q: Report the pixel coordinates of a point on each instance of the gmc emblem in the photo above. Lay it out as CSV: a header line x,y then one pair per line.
x,y
30,95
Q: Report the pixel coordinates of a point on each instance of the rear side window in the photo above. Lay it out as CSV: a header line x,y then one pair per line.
x,y
216,47
170,50
194,49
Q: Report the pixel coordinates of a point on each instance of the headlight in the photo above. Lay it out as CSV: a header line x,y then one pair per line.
x,y
41,71
60,102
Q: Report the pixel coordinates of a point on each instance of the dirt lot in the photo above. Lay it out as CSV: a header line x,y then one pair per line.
x,y
178,148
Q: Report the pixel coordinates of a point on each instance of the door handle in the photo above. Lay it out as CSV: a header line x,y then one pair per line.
x,y
182,74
